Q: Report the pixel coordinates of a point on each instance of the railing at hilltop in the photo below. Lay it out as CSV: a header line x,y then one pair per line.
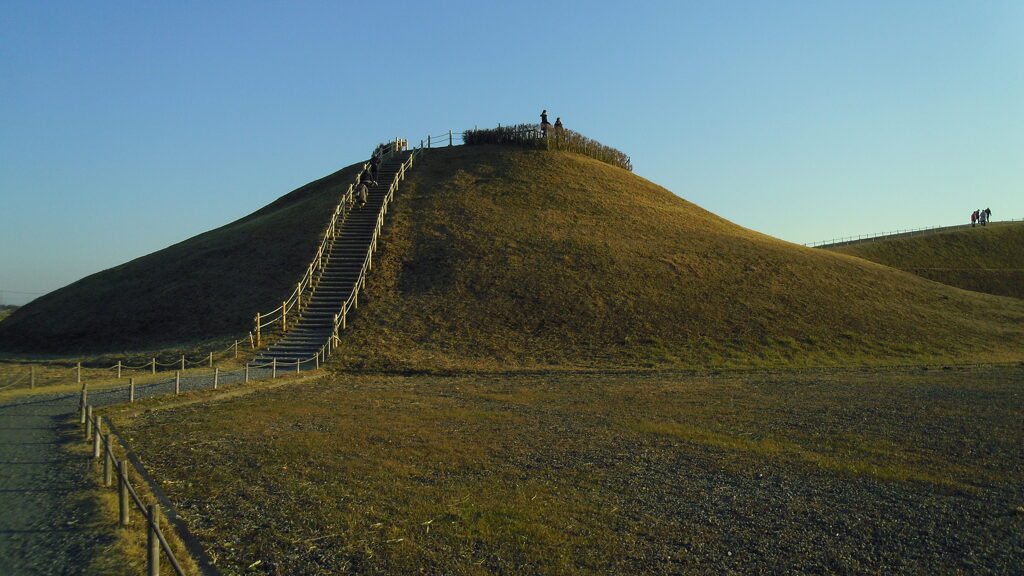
x,y
895,233
531,135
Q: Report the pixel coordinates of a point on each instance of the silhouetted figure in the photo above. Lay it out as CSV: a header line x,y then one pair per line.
x,y
374,165
362,194
544,123
988,215
558,123
974,218
983,217
364,175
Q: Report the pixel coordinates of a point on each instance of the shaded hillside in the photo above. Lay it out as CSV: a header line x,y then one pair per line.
x,y
984,259
208,287
499,257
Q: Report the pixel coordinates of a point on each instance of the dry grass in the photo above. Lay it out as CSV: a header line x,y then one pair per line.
x,y
126,551
986,259
599,473
498,257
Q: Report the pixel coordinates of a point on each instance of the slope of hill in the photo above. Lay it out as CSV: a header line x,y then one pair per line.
x,y
206,288
984,259
500,257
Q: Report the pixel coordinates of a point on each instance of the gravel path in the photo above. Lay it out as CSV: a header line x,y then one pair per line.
x,y
44,529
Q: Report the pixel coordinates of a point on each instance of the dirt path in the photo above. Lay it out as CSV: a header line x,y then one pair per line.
x,y
41,530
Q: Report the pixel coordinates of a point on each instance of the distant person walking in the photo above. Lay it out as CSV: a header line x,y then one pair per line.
x,y
544,123
983,217
974,218
988,215
362,194
375,163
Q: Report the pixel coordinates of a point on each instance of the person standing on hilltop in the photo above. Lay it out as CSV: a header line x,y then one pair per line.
x,y
558,123
544,123
983,217
974,218
988,214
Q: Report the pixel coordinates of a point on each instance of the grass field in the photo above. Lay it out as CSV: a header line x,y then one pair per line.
x,y
872,470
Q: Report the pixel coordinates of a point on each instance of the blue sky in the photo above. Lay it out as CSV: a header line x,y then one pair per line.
x,y
130,126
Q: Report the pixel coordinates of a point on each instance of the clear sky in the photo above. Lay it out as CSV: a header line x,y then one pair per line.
x,y
129,126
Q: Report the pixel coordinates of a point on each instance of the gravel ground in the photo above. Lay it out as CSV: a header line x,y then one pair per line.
x,y
340,478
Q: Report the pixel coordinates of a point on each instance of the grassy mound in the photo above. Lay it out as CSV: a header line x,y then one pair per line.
x,y
498,257
984,259
206,288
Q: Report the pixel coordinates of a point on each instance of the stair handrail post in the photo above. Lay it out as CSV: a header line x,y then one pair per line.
x,y
284,316
257,329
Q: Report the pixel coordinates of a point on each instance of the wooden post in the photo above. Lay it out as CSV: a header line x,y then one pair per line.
x,y
298,366
97,437
131,389
88,422
211,359
273,373
246,373
108,462
252,343
177,382
153,540
122,491
182,362
428,141
32,376
449,137
284,316
154,365
344,316
216,377
83,401
236,349
298,297
78,368
318,359
118,369
257,330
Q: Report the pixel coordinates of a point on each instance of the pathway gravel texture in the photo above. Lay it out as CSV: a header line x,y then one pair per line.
x,y
44,522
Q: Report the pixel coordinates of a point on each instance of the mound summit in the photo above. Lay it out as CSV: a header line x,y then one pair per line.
x,y
501,257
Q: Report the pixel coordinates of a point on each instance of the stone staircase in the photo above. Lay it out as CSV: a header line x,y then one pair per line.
x,y
298,347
